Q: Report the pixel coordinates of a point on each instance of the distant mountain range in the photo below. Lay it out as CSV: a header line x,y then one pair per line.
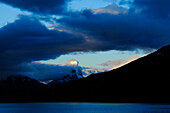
x,y
74,75
145,80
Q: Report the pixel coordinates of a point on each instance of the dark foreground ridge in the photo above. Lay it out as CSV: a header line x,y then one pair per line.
x,y
146,80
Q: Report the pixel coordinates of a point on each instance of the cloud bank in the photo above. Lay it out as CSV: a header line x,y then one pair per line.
x,y
27,40
144,25
41,72
155,8
40,7
119,32
46,72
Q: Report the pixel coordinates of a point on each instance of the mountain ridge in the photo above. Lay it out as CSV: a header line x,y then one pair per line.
x,y
145,80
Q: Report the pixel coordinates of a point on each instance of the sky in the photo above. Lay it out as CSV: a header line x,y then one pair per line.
x,y
37,38
87,4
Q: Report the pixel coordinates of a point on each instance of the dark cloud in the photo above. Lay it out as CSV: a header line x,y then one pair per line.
x,y
41,72
120,32
39,6
155,8
27,40
45,72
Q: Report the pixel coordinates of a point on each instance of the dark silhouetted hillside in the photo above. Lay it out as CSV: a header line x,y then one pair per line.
x,y
144,80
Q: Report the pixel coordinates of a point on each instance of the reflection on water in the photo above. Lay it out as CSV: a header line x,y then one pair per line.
x,y
81,108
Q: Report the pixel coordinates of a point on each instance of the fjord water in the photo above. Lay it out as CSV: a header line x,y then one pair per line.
x,y
82,108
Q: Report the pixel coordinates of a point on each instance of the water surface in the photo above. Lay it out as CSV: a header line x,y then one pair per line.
x,y
81,108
